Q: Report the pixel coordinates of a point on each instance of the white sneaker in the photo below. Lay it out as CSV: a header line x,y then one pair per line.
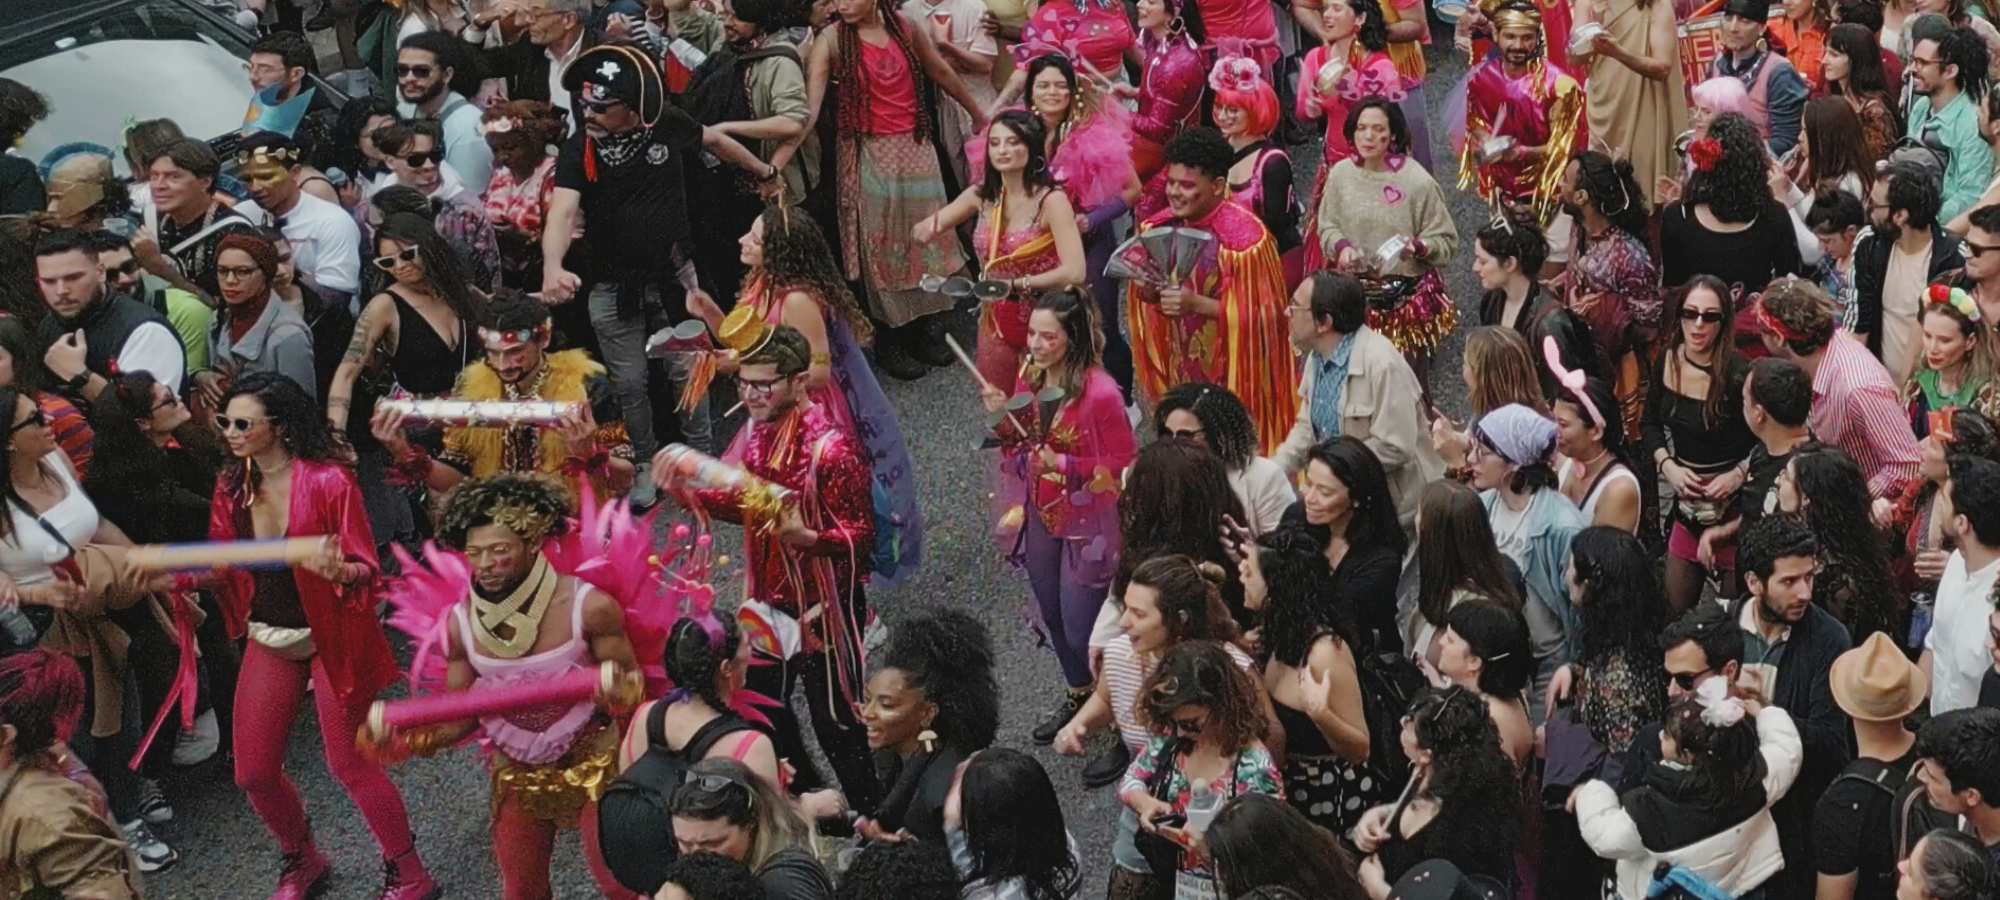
x,y
194,746
644,494
153,853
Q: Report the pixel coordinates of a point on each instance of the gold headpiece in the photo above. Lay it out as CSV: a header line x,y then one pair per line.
x,y
744,331
530,522
1507,14
263,156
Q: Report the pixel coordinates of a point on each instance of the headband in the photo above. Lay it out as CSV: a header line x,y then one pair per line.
x,y
1956,298
284,156
1718,708
509,338
530,521
1774,325
1572,380
499,126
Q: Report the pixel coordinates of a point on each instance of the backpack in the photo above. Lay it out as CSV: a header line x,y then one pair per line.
x,y
1895,787
717,91
1389,682
1925,156
635,828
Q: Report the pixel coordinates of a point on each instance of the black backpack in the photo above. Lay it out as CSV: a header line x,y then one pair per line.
x,y
1907,809
1388,682
717,91
635,828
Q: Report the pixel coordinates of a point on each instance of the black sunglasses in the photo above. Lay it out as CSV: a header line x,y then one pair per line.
x,y
599,107
128,267
417,160
1711,316
1187,727
34,419
1686,680
388,263
418,71
716,784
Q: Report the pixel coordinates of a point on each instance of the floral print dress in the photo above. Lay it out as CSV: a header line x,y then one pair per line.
x,y
1254,773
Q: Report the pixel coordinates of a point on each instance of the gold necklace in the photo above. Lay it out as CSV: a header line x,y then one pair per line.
x,y
521,610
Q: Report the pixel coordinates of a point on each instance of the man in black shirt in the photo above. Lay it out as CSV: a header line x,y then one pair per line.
x,y
181,180
1777,396
624,170
1854,847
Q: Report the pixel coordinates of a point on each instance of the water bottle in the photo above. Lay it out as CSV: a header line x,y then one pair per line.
x,y
20,631
1201,807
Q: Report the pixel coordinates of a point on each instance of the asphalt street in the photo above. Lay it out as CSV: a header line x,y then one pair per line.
x,y
226,853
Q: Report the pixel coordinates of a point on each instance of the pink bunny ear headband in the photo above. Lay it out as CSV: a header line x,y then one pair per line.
x,y
1572,380
1235,73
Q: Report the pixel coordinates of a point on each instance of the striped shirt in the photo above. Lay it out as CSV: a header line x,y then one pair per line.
x,y
1122,676
71,429
1856,408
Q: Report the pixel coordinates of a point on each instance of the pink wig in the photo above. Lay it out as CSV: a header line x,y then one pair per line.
x,y
1723,95
1259,104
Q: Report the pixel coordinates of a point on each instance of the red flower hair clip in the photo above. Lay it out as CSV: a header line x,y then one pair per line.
x,y
1705,152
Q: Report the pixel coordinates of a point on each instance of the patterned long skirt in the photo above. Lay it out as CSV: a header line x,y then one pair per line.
x,y
889,183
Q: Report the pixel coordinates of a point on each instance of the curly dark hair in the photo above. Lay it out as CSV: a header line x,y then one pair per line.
x,y
1613,190
1299,606
1721,759
444,273
1202,673
1176,495
798,257
471,504
298,421
711,876
1736,188
347,130
1468,772
20,108
905,870
694,654
1372,26
948,656
1202,149
1260,841
1226,427
1854,582
1622,607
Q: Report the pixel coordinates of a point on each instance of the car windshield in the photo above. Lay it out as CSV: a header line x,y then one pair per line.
x,y
105,65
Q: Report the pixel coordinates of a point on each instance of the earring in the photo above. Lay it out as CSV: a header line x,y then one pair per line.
x,y
928,739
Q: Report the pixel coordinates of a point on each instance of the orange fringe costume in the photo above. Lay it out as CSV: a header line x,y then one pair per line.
x,y
1246,347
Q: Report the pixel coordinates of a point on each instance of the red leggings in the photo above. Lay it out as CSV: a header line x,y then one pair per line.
x,y
523,845
269,692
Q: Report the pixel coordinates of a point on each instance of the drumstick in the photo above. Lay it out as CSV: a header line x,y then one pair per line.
x,y
966,361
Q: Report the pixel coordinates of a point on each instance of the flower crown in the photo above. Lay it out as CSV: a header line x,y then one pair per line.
x,y
1235,73
499,126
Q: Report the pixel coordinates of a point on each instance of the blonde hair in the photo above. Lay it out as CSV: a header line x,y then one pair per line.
x,y
1503,370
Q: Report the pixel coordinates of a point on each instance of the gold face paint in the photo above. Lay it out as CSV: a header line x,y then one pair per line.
x,y
69,197
265,176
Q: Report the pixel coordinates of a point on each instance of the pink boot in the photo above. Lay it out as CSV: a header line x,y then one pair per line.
x,y
304,875
404,878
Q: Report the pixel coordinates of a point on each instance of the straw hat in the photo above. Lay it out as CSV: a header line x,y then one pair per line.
x,y
1875,682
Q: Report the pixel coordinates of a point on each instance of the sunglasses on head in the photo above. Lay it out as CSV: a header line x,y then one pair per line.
x,y
387,263
419,160
417,71
34,419
1711,316
226,424
716,784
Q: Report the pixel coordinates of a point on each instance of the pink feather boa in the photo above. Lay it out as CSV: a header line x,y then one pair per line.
x,y
1094,163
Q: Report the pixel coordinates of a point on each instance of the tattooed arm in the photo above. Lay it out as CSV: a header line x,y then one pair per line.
x,y
377,320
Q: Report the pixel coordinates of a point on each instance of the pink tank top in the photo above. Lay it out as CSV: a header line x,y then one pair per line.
x,y
544,734
892,95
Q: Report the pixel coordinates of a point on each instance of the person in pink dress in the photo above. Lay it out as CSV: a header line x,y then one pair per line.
x,y
1357,46
1026,236
1169,92
1094,33
1260,179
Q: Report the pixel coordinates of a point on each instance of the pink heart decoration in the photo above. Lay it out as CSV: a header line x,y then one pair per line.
x,y
1392,194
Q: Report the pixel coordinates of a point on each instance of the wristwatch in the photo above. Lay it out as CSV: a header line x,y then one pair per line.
x,y
77,384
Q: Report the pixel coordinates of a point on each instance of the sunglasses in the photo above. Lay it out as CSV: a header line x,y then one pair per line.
x,y
416,71
388,263
1711,316
1188,727
34,419
169,403
716,784
226,424
599,107
1686,680
129,267
1972,249
419,160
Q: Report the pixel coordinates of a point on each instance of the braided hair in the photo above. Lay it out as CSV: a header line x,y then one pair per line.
x,y
847,71
1612,189
695,653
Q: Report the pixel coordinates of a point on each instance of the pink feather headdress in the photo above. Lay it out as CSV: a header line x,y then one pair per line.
x,y
1239,74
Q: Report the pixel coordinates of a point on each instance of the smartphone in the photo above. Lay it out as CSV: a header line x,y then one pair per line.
x,y
1169,820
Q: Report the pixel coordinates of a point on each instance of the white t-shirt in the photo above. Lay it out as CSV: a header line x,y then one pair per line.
x,y
30,553
1957,639
1902,298
465,149
1123,674
326,244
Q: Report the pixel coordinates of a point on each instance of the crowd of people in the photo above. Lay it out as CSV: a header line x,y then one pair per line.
x,y
1698,602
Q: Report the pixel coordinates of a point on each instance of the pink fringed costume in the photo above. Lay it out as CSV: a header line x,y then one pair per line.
x,y
1246,347
1057,506
1544,107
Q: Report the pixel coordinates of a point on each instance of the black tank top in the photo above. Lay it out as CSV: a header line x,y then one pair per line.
x,y
424,362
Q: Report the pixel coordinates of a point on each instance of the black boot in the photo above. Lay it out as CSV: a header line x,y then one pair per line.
x,y
1108,761
893,359
925,339
1073,698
